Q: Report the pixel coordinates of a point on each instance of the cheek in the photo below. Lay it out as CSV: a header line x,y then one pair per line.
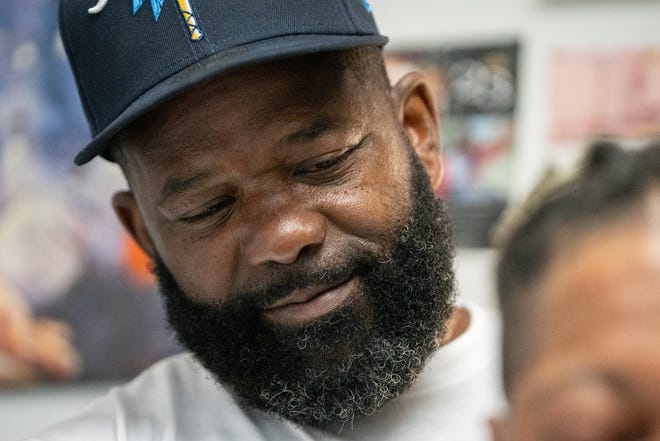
x,y
369,211
376,203
203,267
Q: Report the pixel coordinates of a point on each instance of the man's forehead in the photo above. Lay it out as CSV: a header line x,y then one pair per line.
x,y
185,149
292,66
303,79
279,101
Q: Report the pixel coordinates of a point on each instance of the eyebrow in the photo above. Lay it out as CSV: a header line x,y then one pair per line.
x,y
180,184
310,133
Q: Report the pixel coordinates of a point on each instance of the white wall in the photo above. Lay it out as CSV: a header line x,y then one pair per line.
x,y
540,28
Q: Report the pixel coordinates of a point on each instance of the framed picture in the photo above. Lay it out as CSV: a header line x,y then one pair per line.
x,y
604,92
476,92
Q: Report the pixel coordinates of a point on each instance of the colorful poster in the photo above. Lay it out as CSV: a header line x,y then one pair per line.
x,y
76,298
476,92
604,93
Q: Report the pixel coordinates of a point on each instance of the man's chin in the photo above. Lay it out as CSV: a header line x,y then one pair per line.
x,y
331,339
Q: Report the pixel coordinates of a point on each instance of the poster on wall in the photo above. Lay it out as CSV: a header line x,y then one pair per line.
x,y
476,91
77,300
594,93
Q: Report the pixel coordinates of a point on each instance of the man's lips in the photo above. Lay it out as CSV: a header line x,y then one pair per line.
x,y
307,304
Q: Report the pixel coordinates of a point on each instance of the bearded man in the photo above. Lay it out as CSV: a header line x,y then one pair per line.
x,y
284,191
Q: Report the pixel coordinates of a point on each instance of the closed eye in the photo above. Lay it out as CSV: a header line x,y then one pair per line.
x,y
325,165
328,164
219,208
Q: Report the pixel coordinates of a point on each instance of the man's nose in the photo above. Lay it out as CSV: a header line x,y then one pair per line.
x,y
281,235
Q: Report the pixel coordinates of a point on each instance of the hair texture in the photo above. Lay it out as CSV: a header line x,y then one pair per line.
x,y
367,63
613,183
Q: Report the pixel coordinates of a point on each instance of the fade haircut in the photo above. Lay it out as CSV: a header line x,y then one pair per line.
x,y
367,63
613,183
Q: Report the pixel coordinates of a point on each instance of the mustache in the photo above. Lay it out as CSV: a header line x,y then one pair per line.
x,y
279,281
286,279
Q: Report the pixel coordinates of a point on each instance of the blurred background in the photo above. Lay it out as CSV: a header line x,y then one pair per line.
x,y
522,85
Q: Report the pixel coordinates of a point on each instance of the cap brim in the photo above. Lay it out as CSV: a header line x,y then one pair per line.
x,y
265,50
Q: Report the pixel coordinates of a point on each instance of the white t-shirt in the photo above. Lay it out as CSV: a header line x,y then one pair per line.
x,y
177,399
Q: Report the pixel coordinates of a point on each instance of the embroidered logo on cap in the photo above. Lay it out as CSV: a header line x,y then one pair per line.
x,y
185,8
367,6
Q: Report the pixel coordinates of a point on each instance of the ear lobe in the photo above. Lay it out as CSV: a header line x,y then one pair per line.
x,y
418,114
129,215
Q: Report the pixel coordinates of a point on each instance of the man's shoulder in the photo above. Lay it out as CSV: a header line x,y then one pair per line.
x,y
174,374
155,396
178,376
175,399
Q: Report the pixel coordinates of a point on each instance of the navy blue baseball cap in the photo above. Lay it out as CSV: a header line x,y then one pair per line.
x,y
128,56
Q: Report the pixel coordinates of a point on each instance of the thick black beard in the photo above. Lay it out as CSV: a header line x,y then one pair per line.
x,y
350,362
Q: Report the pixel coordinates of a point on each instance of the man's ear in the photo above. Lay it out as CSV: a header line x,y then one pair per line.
x,y
417,112
129,215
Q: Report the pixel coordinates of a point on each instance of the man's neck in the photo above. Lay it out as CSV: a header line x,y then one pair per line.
x,y
456,325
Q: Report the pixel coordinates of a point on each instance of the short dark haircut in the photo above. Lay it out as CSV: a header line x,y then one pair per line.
x,y
367,62
613,183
